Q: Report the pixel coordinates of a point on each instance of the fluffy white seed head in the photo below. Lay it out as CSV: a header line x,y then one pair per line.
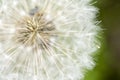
x,y
46,39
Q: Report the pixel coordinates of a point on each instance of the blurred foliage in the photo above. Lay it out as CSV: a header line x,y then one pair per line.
x,y
108,62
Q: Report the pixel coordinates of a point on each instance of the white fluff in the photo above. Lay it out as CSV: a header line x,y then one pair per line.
x,y
70,52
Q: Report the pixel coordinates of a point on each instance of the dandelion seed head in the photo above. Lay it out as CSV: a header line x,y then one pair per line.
x,y
47,39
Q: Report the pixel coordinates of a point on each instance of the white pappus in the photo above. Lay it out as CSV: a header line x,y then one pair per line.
x,y
47,39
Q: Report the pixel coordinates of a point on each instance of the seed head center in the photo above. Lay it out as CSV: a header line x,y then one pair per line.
x,y
34,30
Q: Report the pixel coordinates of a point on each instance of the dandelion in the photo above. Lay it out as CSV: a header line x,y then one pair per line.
x,y
46,39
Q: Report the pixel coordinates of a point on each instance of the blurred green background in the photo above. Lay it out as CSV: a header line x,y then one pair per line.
x,y
108,62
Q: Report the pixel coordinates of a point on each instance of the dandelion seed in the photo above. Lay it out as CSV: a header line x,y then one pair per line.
x,y
46,39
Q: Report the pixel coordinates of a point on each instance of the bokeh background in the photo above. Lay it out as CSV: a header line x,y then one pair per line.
x,y
108,61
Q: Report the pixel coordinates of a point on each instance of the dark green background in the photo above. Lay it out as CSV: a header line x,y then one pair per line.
x,y
108,61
